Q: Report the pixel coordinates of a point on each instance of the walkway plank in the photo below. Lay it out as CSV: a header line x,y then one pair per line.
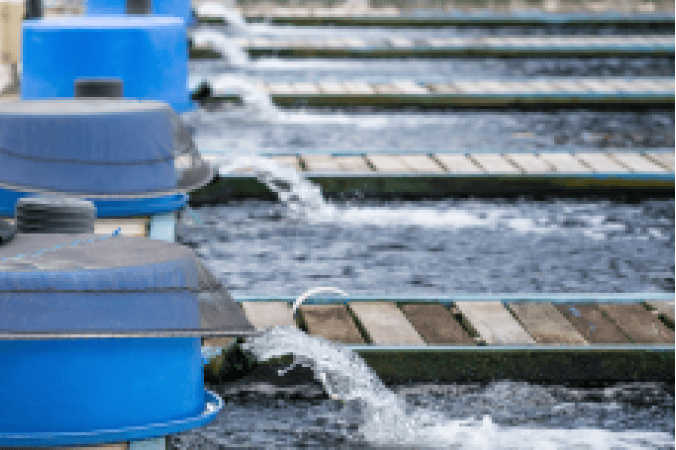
x,y
421,163
546,324
565,163
268,314
386,324
436,325
636,162
358,88
331,88
332,322
665,159
494,163
305,88
288,161
457,163
665,308
352,163
642,326
388,163
601,163
494,323
321,163
529,163
592,324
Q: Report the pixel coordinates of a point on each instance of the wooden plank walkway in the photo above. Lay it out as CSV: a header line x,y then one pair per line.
x,y
593,324
494,323
332,322
546,324
508,46
394,17
445,175
467,93
386,324
639,324
268,314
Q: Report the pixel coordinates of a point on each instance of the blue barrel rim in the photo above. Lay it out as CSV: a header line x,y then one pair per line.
x,y
212,406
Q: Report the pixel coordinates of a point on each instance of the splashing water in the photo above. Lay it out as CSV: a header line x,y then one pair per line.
x,y
304,201
257,102
387,420
226,46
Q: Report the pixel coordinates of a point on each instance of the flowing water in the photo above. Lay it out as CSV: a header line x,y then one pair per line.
x,y
348,406
457,245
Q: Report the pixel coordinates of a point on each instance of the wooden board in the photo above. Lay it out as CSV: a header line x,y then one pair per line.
x,y
357,88
494,163
388,163
592,324
410,88
386,89
457,163
305,88
601,163
268,314
386,324
421,163
436,325
332,322
529,163
133,226
288,161
279,88
321,163
546,324
565,163
663,308
642,326
664,159
494,323
636,162
331,88
352,163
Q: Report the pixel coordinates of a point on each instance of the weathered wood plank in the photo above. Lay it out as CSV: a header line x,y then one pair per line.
x,y
352,163
565,163
636,162
456,163
494,323
664,308
436,325
494,163
639,324
386,324
421,163
288,161
321,163
332,322
331,88
664,159
592,324
268,314
529,163
546,324
357,88
305,88
387,163
600,162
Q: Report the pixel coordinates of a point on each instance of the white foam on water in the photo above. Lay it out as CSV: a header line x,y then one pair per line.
x,y
387,420
305,201
257,103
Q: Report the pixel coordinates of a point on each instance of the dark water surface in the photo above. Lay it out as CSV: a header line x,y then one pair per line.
x,y
467,246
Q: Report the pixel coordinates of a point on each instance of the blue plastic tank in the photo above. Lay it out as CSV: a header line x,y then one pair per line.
x,y
128,157
175,8
146,56
86,349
